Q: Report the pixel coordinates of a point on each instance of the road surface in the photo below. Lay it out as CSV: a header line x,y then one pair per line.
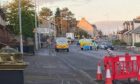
x,y
74,67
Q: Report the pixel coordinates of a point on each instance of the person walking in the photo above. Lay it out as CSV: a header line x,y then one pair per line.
x,y
95,45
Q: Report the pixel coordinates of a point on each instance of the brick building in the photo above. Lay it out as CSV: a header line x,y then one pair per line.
x,y
4,34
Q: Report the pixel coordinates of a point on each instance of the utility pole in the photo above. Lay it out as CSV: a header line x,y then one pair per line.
x,y
36,40
20,26
61,29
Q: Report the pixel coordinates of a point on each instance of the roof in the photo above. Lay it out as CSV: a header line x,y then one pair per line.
x,y
122,31
128,32
136,31
86,26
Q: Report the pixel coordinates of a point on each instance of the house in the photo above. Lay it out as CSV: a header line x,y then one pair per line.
x,y
135,35
128,37
84,25
125,34
120,34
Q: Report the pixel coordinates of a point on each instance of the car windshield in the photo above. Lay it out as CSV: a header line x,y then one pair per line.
x,y
61,40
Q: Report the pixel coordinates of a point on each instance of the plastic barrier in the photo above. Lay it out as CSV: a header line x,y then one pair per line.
x,y
123,66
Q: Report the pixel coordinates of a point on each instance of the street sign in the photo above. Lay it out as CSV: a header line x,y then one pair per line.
x,y
44,30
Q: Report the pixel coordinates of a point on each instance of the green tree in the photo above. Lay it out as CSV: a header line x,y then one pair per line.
x,y
27,17
58,22
100,33
45,13
57,14
65,12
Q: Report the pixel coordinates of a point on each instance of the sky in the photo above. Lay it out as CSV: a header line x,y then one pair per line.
x,y
96,10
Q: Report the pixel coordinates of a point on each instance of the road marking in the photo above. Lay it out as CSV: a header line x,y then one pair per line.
x,y
85,74
68,82
62,82
79,82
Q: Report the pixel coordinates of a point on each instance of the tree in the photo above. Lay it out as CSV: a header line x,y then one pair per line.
x,y
45,13
67,15
65,12
63,19
27,13
100,33
57,14
57,22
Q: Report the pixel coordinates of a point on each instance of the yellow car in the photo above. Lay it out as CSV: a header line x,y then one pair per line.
x,y
61,44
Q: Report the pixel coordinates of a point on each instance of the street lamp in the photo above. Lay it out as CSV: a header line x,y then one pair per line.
x,y
36,40
20,26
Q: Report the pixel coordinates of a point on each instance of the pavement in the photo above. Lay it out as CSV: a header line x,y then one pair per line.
x,y
74,67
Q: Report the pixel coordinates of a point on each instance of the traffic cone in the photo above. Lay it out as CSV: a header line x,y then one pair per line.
x,y
108,79
99,73
138,78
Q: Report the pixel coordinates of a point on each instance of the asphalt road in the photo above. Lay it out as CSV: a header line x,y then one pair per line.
x,y
74,67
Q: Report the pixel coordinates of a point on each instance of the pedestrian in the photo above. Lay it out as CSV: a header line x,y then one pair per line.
x,y
95,45
49,42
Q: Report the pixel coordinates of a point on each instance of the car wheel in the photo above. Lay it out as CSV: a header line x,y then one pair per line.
x,y
56,50
90,48
67,50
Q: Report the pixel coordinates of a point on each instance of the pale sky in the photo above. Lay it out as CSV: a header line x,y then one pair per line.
x,y
97,10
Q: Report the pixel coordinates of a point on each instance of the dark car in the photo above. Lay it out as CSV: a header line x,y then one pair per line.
x,y
109,47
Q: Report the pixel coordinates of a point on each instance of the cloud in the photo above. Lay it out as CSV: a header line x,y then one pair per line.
x,y
54,1
47,1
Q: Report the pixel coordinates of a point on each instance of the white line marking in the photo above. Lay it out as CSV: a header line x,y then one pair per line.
x,y
68,82
79,82
62,82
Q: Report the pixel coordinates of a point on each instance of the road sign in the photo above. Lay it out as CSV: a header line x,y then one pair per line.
x,y
44,30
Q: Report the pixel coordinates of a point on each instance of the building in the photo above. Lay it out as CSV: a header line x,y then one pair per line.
x,y
83,24
125,35
3,31
135,35
131,32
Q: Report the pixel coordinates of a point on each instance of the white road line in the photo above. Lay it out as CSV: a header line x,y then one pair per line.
x,y
68,82
62,82
79,82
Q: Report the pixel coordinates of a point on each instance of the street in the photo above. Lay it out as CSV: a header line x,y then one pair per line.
x,y
74,67
69,42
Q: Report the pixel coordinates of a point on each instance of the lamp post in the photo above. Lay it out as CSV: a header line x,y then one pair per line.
x,y
36,40
20,26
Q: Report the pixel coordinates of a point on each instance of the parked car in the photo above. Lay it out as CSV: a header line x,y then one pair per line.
x,y
109,47
102,45
106,45
61,43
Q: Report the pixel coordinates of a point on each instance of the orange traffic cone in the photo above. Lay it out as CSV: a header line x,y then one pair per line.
x,y
138,78
99,73
108,79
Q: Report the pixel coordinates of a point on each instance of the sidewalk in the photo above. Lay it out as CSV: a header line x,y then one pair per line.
x,y
129,49
45,52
